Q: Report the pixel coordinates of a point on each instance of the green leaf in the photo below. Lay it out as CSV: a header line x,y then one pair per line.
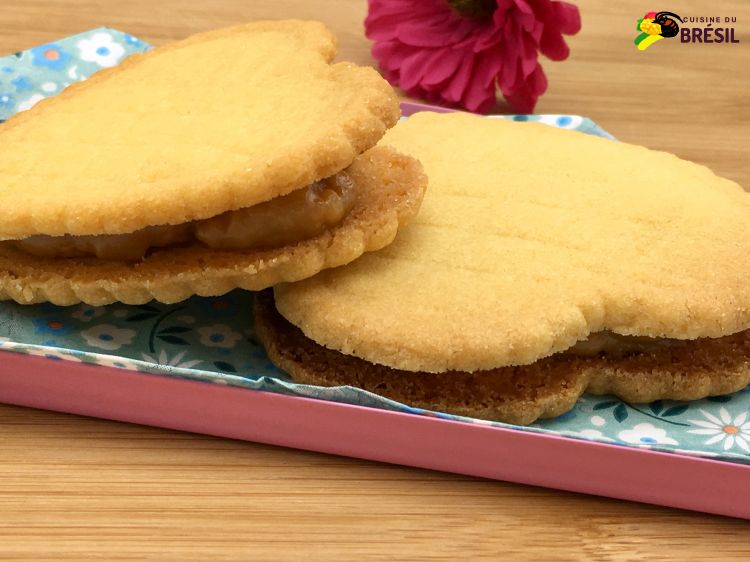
x,y
657,407
175,330
621,413
605,405
140,317
224,366
172,339
720,399
676,410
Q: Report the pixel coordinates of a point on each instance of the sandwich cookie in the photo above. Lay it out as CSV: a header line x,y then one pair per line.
x,y
237,158
543,263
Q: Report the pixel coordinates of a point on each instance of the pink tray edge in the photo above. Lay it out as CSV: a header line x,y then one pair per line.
x,y
497,453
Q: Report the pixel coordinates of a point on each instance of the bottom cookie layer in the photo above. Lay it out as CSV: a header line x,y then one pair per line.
x,y
517,395
390,188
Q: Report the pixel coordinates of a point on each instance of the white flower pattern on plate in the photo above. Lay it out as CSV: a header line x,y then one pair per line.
x,y
108,336
52,354
101,49
591,434
115,361
86,313
646,434
219,335
176,361
723,428
30,102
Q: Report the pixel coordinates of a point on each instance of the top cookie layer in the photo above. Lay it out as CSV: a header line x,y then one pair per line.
x,y
219,121
529,239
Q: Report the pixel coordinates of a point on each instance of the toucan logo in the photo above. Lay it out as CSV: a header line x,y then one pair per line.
x,y
655,26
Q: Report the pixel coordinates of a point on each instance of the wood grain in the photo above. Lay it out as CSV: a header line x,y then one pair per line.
x,y
81,489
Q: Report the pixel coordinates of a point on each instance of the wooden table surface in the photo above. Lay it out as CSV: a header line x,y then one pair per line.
x,y
81,489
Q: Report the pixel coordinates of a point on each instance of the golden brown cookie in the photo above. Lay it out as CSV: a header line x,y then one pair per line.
x,y
220,121
390,188
520,394
135,184
529,239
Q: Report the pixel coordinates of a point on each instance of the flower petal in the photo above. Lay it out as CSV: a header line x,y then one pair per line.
x,y
441,66
726,418
524,99
460,81
712,431
177,358
412,68
467,59
702,423
709,416
480,95
567,17
554,47
390,54
190,364
436,33
529,56
715,439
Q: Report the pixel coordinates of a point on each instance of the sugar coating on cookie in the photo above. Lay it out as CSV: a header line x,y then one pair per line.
x,y
220,121
389,186
529,239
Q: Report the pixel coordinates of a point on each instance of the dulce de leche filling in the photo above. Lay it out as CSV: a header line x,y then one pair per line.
x,y
609,343
297,216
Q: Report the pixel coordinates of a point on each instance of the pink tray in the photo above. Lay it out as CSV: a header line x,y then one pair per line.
x,y
341,429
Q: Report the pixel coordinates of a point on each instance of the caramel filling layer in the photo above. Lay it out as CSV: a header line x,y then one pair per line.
x,y
610,343
297,216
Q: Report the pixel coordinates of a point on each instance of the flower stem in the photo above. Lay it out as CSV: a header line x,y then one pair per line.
x,y
159,320
655,417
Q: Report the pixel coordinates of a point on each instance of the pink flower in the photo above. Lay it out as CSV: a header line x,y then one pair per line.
x,y
455,52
